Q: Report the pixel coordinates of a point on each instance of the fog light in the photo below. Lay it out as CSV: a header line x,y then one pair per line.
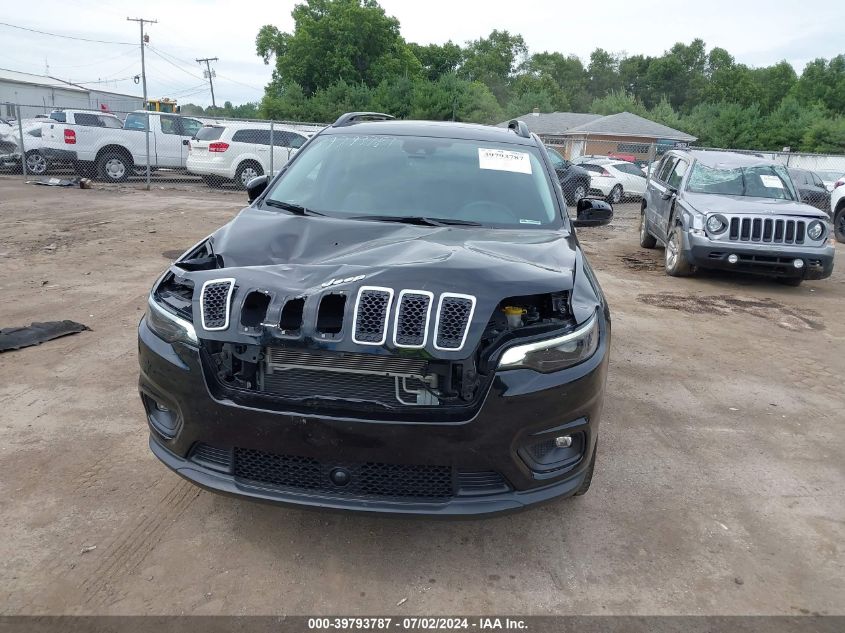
x,y
733,259
564,441
798,263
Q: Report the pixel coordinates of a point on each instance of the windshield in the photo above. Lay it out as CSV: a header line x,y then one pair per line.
x,y
494,184
759,181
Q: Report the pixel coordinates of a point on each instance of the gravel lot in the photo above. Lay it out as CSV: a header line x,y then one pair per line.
x,y
720,485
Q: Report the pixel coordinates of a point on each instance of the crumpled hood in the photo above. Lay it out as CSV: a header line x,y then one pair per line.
x,y
330,247
287,256
709,203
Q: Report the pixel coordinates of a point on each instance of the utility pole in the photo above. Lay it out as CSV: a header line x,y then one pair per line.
x,y
208,72
144,39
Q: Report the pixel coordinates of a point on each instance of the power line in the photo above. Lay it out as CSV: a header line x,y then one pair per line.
x,y
235,81
67,37
158,53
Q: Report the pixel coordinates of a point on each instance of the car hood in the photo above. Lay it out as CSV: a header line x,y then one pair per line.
x,y
288,256
738,205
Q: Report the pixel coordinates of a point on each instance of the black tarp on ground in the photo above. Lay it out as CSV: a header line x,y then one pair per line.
x,y
35,334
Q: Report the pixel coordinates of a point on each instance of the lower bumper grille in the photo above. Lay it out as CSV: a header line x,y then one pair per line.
x,y
370,479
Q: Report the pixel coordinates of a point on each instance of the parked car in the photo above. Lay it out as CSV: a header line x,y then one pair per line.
x,y
100,144
240,151
830,177
402,321
615,179
10,155
837,212
734,212
574,180
810,188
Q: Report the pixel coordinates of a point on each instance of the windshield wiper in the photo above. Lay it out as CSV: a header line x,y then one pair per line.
x,y
296,209
416,219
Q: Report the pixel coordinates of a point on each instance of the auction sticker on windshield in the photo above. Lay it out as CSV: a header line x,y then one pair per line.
x,y
771,181
504,160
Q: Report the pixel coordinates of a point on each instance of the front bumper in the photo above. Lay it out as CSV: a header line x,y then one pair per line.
x,y
521,407
761,259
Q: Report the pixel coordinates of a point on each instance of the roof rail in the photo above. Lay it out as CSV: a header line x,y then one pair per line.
x,y
354,117
519,127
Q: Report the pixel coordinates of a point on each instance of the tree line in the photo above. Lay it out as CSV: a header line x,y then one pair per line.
x,y
346,55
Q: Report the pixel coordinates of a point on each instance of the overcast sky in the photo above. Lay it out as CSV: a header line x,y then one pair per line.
x,y
758,33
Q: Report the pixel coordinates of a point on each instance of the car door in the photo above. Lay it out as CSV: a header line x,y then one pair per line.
x,y
285,145
819,196
188,129
168,141
655,193
673,185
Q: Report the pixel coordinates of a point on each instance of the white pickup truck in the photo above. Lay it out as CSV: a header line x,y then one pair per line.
x,y
112,153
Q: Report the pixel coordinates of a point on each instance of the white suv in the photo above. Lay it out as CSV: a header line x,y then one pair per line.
x,y
240,151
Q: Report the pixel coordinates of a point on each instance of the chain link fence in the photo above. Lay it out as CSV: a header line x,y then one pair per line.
x,y
146,148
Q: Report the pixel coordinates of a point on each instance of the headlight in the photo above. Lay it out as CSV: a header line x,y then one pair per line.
x,y
815,230
556,353
716,224
168,326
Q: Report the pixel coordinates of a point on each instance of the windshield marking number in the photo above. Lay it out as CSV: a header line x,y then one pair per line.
x,y
504,160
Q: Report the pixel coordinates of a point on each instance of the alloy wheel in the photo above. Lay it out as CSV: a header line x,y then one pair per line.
x,y
36,163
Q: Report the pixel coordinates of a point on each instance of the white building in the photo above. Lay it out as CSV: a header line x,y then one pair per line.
x,y
40,94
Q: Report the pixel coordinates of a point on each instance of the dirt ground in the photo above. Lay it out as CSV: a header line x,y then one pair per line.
x,y
719,489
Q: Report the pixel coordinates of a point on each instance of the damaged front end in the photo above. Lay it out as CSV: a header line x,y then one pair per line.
x,y
358,343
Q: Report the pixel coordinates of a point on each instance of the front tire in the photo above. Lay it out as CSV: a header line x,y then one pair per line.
x,y
246,172
114,167
839,224
676,262
647,240
615,195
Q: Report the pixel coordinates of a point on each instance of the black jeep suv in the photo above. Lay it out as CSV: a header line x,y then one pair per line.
x,y
401,321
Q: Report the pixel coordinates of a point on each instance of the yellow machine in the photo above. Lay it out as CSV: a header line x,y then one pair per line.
x,y
162,105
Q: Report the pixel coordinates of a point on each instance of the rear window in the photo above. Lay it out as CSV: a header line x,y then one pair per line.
x,y
61,117
257,137
209,133
112,122
629,168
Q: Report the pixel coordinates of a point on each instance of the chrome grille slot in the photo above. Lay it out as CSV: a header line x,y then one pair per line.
x,y
215,302
454,315
768,230
410,328
370,320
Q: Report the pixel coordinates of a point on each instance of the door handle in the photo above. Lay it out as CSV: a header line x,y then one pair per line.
x,y
185,141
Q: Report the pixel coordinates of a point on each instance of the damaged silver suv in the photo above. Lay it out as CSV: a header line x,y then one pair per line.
x,y
403,321
734,212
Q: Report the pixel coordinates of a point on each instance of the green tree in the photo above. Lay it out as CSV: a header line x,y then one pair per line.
x,y
603,73
493,60
823,82
438,59
618,101
725,125
787,125
353,41
569,74
826,136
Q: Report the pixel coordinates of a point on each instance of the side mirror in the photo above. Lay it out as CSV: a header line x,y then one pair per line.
x,y
593,212
256,187
670,191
